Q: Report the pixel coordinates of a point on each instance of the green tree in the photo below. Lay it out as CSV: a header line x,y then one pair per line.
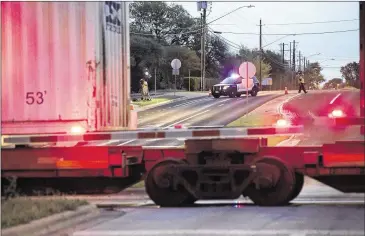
x,y
145,53
189,61
313,76
351,74
216,55
333,83
170,24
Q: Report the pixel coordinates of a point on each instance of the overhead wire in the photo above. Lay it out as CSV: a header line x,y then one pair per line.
x,y
232,44
228,13
146,34
275,41
295,34
314,22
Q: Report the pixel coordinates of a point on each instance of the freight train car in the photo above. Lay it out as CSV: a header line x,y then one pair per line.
x,y
65,66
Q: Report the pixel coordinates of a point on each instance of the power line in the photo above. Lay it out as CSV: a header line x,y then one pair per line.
x,y
295,34
314,22
230,43
229,13
189,32
276,41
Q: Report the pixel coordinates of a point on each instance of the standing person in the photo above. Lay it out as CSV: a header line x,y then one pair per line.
x,y
144,90
141,82
301,82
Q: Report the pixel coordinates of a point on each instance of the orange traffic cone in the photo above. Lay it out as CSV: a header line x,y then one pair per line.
x,y
286,90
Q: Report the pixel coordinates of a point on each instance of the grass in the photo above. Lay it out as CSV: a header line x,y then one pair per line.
x,y
22,210
350,88
253,120
259,120
151,102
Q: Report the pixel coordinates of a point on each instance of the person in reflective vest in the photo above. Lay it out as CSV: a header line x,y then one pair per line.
x,y
145,95
301,82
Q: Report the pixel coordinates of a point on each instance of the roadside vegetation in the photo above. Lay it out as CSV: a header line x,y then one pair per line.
x,y
162,31
153,101
17,209
259,120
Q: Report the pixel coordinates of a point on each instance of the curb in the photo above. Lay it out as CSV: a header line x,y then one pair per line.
x,y
111,204
53,223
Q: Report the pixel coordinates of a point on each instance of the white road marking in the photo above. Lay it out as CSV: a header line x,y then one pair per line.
x,y
289,142
334,99
280,106
221,105
129,141
190,102
218,232
188,118
106,143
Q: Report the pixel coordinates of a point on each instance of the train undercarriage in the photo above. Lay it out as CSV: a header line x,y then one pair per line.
x,y
204,169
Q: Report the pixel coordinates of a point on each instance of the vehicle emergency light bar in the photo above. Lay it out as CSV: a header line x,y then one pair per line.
x,y
155,134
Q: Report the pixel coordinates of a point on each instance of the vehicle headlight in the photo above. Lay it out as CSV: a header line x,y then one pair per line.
x,y
225,87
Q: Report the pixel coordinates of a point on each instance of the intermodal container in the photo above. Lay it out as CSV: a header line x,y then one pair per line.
x,y
65,66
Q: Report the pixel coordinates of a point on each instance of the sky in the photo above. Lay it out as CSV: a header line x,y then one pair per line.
x,y
335,49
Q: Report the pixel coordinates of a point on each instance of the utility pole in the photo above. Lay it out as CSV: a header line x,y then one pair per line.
x,y
204,46
300,61
201,52
290,66
260,47
292,81
293,55
282,52
304,63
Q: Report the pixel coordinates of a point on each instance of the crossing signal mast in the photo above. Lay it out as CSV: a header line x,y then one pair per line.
x,y
213,164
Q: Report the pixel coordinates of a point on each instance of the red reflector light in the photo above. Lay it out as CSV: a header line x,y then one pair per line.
x,y
282,123
336,113
77,130
179,126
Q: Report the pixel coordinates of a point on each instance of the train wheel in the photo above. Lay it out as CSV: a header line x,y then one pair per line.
x,y
158,184
274,184
299,183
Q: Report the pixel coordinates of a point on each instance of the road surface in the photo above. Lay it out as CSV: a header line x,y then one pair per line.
x,y
320,104
197,111
318,210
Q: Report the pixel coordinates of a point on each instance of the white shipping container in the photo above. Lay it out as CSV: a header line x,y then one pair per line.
x,y
64,64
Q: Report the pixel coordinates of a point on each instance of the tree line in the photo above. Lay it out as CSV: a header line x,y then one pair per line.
x,y
160,32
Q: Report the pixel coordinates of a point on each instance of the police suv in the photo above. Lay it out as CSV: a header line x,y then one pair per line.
x,y
234,86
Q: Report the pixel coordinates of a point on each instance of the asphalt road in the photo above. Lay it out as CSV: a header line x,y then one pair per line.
x,y
197,111
320,104
317,211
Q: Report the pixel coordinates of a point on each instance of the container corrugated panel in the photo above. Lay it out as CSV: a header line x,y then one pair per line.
x,y
115,48
61,66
